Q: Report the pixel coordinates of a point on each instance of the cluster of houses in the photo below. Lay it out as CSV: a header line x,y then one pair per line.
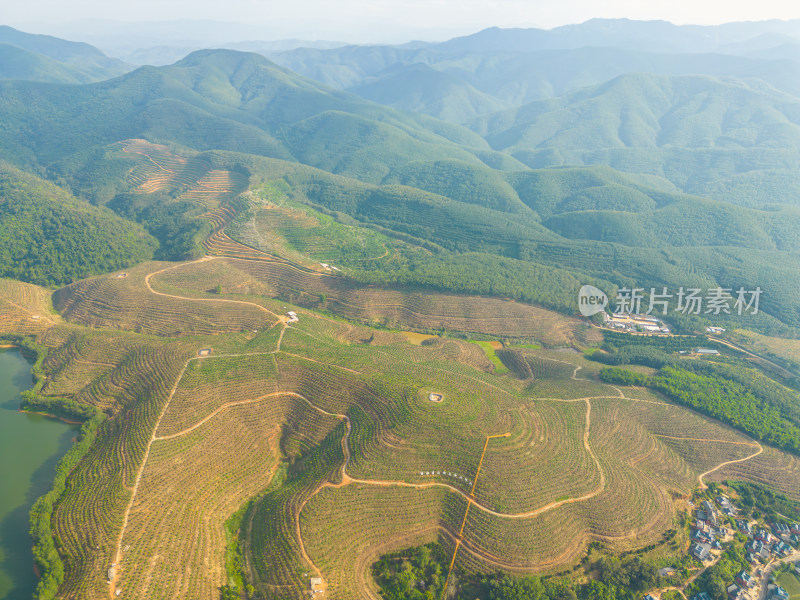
x,y
292,317
635,323
740,589
708,531
763,545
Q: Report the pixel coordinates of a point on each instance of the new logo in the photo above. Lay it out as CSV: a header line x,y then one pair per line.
x,y
591,300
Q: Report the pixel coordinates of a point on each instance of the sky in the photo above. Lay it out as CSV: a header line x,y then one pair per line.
x,y
382,20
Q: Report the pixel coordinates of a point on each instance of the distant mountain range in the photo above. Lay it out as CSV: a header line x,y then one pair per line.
x,y
653,36
627,167
46,58
466,77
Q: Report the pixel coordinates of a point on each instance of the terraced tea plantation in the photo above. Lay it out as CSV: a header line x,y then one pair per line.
x,y
277,225
416,309
334,422
25,308
155,168
322,431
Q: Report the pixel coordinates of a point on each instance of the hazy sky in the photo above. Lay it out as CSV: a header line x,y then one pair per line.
x,y
393,20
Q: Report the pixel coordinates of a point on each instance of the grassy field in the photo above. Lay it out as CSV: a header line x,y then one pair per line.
x,y
791,583
783,348
490,348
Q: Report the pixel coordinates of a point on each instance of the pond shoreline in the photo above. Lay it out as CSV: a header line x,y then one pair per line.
x,y
38,441
64,420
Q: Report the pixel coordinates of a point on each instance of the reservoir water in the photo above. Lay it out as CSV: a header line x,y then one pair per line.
x,y
30,448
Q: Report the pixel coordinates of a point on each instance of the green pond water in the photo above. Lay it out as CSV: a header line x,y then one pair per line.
x,y
30,448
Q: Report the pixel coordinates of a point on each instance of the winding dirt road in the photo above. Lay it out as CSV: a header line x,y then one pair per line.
x,y
346,479
194,262
729,462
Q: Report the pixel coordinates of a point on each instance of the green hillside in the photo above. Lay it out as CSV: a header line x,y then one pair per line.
x,y
685,222
421,88
648,111
225,100
567,189
721,138
472,184
48,237
478,249
16,63
48,55
489,225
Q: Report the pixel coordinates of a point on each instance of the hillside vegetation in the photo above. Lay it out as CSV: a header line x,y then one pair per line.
x,y
47,58
705,135
318,425
16,63
487,224
472,75
528,234
359,334
48,237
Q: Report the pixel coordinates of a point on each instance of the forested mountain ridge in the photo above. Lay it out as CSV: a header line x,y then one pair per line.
x,y
226,100
16,63
647,111
47,58
465,76
441,186
722,138
48,237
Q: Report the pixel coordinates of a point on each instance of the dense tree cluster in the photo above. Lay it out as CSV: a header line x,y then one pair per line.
x,y
173,223
766,502
48,237
419,573
734,394
731,402
413,574
618,376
